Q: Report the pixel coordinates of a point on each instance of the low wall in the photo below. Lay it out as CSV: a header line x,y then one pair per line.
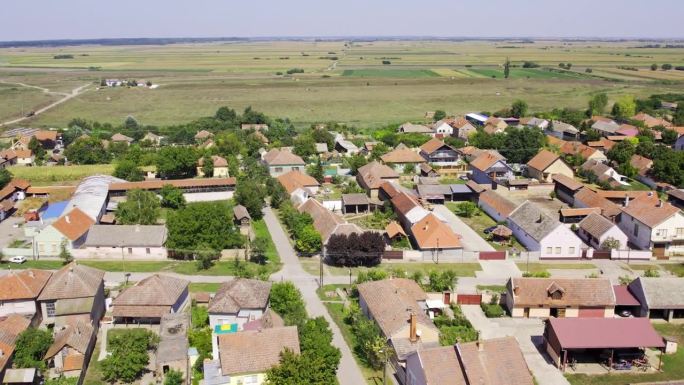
x,y
631,254
17,252
137,253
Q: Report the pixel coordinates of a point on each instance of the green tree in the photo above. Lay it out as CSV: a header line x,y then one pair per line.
x,y
466,209
654,67
624,107
207,166
598,104
141,207
519,108
251,195
64,253
173,377
304,146
37,148
441,281
669,137
355,162
30,348
439,115
409,168
308,240
128,170
87,151
226,114
128,356
610,243
172,197
316,170
507,70
622,152
315,340
678,117
202,227
286,300
278,194
176,162
5,177
666,67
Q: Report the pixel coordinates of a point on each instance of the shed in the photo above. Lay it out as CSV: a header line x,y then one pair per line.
x,y
241,215
355,203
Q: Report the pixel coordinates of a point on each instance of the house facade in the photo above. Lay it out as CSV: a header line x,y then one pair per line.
x,y
560,297
442,156
538,232
652,224
489,167
595,229
546,164
280,162
372,175
124,241
19,291
70,230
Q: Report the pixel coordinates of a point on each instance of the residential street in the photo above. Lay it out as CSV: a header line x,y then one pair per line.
x,y
471,240
348,372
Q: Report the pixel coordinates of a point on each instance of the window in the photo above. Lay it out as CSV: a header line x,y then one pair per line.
x,y
680,231
558,250
50,309
549,250
571,250
636,230
295,168
130,250
278,169
147,250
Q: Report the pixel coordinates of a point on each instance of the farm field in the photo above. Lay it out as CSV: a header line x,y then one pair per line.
x,y
342,81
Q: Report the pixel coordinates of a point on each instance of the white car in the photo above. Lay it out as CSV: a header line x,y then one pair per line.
x,y
18,259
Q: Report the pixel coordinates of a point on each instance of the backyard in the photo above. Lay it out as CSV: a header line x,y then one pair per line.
x,y
479,221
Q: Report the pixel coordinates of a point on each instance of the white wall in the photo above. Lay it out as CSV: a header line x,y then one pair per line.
x,y
22,307
563,243
116,253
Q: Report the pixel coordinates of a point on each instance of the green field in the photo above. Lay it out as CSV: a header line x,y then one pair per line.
x,y
63,174
390,73
356,88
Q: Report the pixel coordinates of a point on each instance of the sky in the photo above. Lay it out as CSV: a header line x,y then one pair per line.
x,y
86,19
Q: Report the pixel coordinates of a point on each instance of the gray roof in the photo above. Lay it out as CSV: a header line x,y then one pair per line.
x,y
460,189
126,236
596,225
240,212
239,294
354,199
533,221
661,293
426,190
559,126
173,344
609,127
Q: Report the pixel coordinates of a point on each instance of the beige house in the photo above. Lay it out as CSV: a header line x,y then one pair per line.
x,y
372,175
397,306
130,242
73,293
560,297
71,350
150,299
282,161
220,167
546,164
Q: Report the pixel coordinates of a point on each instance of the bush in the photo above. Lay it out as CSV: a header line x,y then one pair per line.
x,y
530,64
537,274
300,226
363,249
466,209
129,354
386,62
295,71
286,300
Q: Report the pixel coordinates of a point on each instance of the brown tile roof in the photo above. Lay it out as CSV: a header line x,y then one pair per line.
x,y
491,129
390,189
568,212
217,160
21,184
44,135
486,160
543,160
118,137
10,328
620,194
591,199
325,221
391,301
240,212
497,202
459,122
403,155
566,181
441,366
73,362
604,143
76,336
651,121
72,281
155,290
433,145
575,291
641,164
203,134
403,203
375,174
293,180
431,233
239,294
650,210
255,351
180,183
73,224
23,284
477,188
393,229
277,157
496,361
596,225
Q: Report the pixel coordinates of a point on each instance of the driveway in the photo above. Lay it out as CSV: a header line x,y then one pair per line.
x,y
348,372
498,270
471,240
8,232
528,333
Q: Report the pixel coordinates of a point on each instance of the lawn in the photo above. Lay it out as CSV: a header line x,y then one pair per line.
x,y
481,221
261,231
673,365
390,73
321,291
675,268
492,288
59,174
461,269
30,264
336,311
204,287
539,267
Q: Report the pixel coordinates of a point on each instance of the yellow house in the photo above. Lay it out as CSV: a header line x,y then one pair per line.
x,y
246,356
220,167
545,164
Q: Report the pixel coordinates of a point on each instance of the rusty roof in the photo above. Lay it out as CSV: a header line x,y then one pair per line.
x,y
23,284
485,160
402,155
374,174
543,160
73,224
575,292
590,198
500,204
431,233
255,351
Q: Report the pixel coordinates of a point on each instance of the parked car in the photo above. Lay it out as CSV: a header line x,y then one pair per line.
x,y
625,313
489,229
18,259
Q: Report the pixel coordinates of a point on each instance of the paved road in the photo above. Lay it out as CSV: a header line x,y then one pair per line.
x,y
348,372
66,96
528,332
471,240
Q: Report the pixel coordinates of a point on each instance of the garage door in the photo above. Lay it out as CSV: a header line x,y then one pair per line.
x,y
589,312
469,299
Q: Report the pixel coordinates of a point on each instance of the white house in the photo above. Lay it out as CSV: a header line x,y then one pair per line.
x,y
537,231
19,290
595,229
236,303
442,128
69,230
652,224
490,167
124,241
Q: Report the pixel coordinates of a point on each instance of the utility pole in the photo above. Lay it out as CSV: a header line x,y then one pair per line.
x,y
320,270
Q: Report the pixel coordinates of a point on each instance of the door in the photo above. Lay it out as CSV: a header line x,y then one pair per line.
x,y
447,298
561,313
659,251
526,312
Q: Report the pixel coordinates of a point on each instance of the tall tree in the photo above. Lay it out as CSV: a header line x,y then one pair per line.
x,y
519,108
202,227
87,151
439,115
37,148
128,170
172,197
598,104
207,166
251,195
176,162
507,69
30,348
5,177
624,107
141,207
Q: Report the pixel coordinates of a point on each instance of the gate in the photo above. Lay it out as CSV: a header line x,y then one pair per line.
x,y
393,254
601,254
469,299
492,255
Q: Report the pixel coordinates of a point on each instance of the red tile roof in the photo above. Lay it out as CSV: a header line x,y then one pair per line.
x,y
402,155
295,179
26,284
650,210
73,224
431,233
605,333
623,297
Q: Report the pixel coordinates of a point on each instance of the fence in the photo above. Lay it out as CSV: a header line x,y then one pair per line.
x,y
17,252
631,254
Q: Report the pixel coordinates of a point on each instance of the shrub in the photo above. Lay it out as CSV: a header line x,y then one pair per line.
x,y
295,71
537,274
492,310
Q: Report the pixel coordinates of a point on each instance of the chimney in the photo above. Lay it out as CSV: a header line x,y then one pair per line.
x,y
627,201
516,289
660,203
413,328
31,274
66,218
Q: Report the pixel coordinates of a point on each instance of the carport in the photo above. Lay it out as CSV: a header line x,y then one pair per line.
x,y
625,301
599,340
